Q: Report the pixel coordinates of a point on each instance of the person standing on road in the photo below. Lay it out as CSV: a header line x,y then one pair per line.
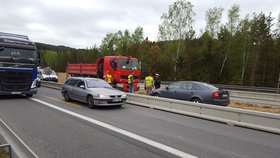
x,y
148,84
108,77
130,81
157,81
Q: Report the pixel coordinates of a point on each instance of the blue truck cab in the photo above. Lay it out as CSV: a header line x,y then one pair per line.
x,y
18,65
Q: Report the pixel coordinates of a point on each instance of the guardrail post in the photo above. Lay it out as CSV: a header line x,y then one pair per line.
x,y
9,149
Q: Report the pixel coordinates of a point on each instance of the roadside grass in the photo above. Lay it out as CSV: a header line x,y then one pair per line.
x,y
3,153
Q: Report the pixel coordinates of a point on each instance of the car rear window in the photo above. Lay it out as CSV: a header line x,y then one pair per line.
x,y
211,87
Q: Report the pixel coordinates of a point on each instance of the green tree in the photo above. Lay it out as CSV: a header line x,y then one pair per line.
x,y
177,25
50,58
233,17
245,39
108,45
213,24
262,40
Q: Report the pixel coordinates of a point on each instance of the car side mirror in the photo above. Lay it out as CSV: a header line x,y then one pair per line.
x,y
82,86
167,88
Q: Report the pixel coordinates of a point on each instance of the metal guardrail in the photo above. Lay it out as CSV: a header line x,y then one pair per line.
x,y
239,117
245,118
237,87
249,88
274,97
19,148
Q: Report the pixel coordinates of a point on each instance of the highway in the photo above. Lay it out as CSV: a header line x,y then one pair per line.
x,y
53,133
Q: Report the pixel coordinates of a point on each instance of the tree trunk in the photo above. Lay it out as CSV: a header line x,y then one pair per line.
x,y
278,82
225,59
253,74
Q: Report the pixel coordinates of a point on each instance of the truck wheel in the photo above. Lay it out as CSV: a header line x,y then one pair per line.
x,y
66,96
90,102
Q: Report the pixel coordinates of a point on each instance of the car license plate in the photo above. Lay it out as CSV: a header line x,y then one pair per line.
x,y
15,92
117,99
225,95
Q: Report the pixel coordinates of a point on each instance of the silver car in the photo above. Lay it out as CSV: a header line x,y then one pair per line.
x,y
93,91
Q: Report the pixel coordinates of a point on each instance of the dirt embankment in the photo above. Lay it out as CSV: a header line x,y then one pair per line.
x,y
255,107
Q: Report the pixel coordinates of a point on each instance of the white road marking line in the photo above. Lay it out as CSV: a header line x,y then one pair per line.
x,y
121,131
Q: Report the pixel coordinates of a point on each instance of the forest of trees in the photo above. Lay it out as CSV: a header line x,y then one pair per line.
x,y
243,51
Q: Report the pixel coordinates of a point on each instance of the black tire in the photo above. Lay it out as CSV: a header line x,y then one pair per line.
x,y
90,102
156,95
196,100
66,96
29,95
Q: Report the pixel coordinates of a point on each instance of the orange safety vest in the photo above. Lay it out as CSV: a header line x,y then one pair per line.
x,y
109,78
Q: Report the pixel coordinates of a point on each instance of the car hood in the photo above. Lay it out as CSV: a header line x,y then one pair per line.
x,y
106,91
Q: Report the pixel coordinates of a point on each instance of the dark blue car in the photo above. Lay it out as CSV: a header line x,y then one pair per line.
x,y
194,91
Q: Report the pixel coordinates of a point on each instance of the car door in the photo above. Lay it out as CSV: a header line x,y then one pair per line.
x,y
185,92
77,90
171,90
70,85
81,91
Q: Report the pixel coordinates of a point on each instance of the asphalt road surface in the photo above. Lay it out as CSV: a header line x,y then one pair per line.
x,y
52,133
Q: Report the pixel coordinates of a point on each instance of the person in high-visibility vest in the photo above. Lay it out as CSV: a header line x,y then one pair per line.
x,y
149,84
108,77
130,81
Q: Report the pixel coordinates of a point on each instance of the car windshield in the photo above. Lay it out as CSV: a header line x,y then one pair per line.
x,y
17,55
97,83
128,64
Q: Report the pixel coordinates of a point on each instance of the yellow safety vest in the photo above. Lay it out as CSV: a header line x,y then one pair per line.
x,y
129,78
109,78
149,81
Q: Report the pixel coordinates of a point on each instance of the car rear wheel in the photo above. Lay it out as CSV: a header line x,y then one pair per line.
x,y
66,96
90,102
196,100
156,95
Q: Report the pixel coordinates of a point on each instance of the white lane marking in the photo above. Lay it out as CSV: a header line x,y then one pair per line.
x,y
121,131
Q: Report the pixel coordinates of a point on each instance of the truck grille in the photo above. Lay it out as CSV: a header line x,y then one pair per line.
x,y
12,80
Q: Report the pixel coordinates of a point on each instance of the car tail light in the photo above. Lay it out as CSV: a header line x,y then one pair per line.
x,y
215,95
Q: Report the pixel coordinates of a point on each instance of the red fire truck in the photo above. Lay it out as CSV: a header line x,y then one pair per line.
x,y
118,66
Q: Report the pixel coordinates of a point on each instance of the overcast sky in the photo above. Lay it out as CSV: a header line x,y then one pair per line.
x,y
83,23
